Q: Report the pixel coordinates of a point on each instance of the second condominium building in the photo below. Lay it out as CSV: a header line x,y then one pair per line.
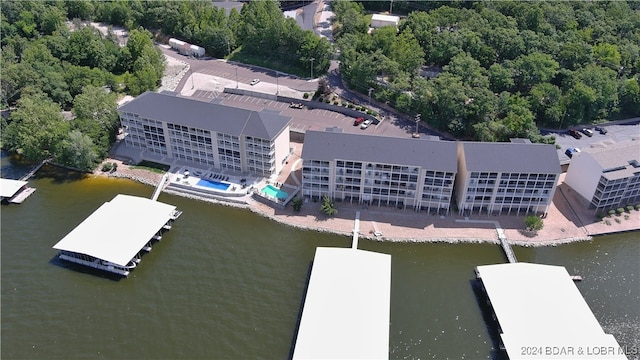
x,y
381,171
206,134
506,178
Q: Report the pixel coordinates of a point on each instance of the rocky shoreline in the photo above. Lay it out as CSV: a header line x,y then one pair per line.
x,y
342,226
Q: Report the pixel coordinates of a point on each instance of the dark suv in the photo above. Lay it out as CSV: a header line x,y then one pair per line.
x,y
575,134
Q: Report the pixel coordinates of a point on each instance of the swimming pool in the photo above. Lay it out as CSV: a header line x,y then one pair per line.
x,y
213,184
273,192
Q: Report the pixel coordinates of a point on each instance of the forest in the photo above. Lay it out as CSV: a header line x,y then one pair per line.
x,y
504,68
479,70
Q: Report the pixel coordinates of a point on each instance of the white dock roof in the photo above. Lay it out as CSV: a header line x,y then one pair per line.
x,y
347,307
539,308
118,229
9,187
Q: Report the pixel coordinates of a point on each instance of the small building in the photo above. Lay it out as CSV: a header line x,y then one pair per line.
x,y
14,191
347,309
206,135
607,175
513,178
112,237
380,20
542,315
379,170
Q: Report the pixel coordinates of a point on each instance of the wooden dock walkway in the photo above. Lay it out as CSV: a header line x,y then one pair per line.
x,y
33,171
356,231
158,189
508,250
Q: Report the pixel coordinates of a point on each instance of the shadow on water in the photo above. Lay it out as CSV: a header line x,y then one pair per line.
x,y
294,338
60,175
493,327
56,261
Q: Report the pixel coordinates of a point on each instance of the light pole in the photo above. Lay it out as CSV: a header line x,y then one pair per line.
x,y
370,90
417,121
228,47
236,77
311,59
277,84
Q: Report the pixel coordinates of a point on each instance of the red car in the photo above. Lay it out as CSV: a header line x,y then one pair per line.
x,y
358,121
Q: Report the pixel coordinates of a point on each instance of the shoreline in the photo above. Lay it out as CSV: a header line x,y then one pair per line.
x,y
454,232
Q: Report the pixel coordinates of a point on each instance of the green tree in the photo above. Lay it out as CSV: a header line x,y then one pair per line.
x,y
328,206
78,151
36,127
545,101
533,223
534,69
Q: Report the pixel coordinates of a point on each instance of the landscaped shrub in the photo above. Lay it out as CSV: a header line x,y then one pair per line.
x,y
533,223
620,211
335,103
607,222
334,98
351,106
626,217
328,101
599,215
629,208
638,207
612,212
320,99
305,96
296,203
617,220
108,166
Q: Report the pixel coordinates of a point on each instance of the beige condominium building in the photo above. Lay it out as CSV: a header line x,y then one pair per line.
x,y
380,171
607,174
205,134
514,178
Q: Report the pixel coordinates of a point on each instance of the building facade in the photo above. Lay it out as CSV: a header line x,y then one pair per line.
x,y
165,126
513,178
607,174
381,171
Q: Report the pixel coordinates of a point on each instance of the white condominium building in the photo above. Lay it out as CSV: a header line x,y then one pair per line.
x,y
607,174
513,178
169,127
378,170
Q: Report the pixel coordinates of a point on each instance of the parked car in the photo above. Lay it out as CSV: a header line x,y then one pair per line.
x,y
295,105
358,121
601,130
365,124
587,132
571,151
575,134
254,81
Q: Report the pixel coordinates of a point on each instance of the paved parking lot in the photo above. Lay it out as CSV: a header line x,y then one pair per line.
x,y
615,133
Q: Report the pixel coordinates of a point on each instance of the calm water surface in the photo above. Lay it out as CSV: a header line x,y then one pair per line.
x,y
227,284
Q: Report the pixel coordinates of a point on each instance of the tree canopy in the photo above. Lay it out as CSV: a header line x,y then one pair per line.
x,y
560,63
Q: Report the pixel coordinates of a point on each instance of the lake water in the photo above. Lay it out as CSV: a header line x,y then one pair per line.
x,y
225,283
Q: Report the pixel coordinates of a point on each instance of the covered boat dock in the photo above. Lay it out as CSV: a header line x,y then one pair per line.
x,y
347,307
542,315
113,236
14,191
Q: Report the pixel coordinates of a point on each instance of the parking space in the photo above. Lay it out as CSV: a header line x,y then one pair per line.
x,y
616,133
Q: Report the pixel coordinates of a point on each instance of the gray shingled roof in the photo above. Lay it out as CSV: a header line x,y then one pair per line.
x,y
618,158
207,116
511,157
428,154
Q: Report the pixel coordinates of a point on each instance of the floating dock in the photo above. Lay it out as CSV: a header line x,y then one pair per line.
x,y
346,312
542,315
113,237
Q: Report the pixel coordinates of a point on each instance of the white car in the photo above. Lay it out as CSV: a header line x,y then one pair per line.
x,y
254,81
365,124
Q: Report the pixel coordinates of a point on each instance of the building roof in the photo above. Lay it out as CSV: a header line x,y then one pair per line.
x,y
9,187
347,307
386,18
207,116
511,157
540,306
618,160
118,229
428,154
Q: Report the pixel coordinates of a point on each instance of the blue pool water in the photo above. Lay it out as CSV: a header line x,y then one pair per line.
x,y
274,192
213,184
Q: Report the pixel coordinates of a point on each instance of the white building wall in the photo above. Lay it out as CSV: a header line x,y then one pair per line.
x,y
583,175
282,142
